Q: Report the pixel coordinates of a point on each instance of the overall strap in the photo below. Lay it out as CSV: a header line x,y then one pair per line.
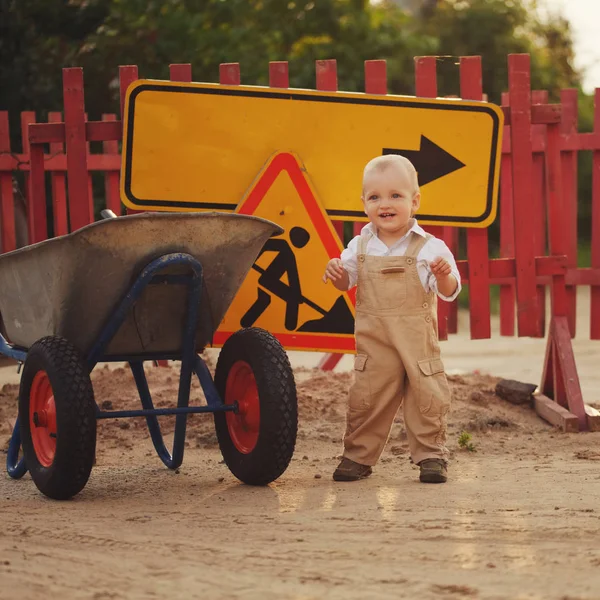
x,y
363,240
416,244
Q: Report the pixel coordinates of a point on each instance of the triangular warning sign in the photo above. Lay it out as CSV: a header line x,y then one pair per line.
x,y
284,292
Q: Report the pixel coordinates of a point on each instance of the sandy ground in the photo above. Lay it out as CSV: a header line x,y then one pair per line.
x,y
519,518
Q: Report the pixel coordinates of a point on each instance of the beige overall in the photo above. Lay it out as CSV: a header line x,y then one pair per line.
x,y
397,360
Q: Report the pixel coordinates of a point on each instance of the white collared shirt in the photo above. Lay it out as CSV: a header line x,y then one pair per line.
x,y
432,249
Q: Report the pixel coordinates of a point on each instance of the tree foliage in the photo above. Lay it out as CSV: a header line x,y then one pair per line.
x,y
39,37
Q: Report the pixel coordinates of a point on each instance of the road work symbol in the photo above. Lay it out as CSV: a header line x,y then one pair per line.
x,y
271,279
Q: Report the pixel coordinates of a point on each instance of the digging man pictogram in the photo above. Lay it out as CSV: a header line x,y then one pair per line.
x,y
339,319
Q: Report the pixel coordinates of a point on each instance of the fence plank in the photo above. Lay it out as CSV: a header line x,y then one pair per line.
x,y
558,236
507,234
569,120
279,78
7,206
90,179
326,81
7,213
180,72
279,74
595,258
27,117
111,178
59,185
38,226
127,75
426,87
375,83
326,75
477,239
538,198
522,171
35,185
229,74
376,77
426,76
77,171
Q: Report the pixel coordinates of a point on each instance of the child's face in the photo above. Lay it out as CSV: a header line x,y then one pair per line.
x,y
390,199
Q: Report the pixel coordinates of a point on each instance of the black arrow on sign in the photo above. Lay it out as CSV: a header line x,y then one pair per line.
x,y
430,161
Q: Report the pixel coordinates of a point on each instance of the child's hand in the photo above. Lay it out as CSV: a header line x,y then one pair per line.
x,y
334,271
442,271
440,268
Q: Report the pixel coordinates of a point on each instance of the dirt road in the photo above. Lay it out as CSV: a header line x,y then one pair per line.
x,y
520,518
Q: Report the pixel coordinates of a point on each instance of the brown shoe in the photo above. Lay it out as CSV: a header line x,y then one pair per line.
x,y
433,470
348,470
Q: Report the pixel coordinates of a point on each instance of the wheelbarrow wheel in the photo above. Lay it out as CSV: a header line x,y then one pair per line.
x,y
57,415
257,441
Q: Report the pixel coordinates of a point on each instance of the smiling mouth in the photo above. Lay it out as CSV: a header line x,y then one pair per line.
x,y
387,215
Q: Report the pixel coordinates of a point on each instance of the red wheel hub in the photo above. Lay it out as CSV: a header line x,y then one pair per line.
x,y
42,418
244,424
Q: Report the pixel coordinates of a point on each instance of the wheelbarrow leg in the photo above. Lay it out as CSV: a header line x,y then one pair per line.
x,y
175,460
16,468
137,368
188,366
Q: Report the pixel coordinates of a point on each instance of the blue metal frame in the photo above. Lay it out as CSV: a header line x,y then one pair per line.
x,y
190,363
12,351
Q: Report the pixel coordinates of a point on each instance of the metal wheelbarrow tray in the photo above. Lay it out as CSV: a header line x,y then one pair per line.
x,y
141,287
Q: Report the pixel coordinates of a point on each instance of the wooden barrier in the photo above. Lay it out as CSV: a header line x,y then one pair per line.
x,y
538,203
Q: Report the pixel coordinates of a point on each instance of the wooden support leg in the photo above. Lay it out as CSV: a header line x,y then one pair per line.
x,y
560,401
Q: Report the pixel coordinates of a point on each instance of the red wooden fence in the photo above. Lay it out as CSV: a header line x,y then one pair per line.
x,y
538,201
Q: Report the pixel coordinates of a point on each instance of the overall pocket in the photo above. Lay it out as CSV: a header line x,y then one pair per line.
x,y
434,393
389,288
360,391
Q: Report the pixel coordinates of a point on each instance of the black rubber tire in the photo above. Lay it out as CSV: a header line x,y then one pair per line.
x,y
278,406
75,418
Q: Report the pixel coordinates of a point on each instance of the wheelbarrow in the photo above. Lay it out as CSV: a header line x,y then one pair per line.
x,y
131,289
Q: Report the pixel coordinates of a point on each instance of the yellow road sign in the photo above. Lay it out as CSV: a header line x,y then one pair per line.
x,y
192,146
284,292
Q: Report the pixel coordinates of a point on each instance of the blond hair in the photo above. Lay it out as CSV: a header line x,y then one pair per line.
x,y
381,163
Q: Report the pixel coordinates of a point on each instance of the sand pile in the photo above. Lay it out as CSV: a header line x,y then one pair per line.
x,y
321,401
